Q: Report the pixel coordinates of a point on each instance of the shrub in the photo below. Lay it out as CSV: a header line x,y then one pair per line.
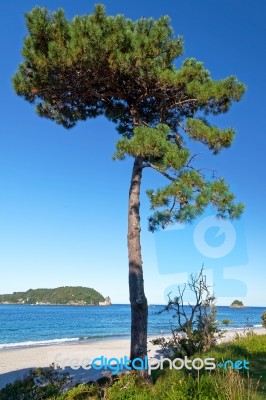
x,y
197,329
41,383
263,317
81,392
226,321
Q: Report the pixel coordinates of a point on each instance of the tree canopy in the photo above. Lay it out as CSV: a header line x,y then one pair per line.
x,y
110,65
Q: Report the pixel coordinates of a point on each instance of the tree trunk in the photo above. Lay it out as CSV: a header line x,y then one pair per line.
x,y
138,301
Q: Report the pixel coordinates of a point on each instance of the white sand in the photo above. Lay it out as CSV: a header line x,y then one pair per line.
x,y
230,334
16,363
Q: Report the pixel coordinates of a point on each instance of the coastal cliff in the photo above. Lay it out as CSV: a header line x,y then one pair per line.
x,y
106,302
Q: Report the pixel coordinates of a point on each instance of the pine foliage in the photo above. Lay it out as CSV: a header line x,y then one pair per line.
x,y
125,70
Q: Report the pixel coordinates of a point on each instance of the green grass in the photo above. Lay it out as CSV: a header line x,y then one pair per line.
x,y
218,384
179,385
253,349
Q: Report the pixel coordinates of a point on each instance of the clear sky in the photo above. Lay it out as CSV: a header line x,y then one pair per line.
x,y
63,201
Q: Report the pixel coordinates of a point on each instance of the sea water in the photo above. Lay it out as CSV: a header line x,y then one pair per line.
x,y
40,325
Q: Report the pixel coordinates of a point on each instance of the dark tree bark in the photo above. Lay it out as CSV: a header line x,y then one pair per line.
x,y
138,301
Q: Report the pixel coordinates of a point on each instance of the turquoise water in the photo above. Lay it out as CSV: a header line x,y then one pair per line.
x,y
26,325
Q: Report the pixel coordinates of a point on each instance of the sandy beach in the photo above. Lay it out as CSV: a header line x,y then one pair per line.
x,y
16,363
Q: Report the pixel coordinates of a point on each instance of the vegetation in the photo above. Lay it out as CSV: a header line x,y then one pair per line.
x,y
252,347
76,295
263,317
41,383
218,384
226,321
237,303
198,326
109,65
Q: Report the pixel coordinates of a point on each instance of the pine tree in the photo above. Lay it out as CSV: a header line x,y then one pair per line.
x,y
109,65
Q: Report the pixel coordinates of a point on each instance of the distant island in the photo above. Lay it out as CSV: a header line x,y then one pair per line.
x,y
237,304
66,295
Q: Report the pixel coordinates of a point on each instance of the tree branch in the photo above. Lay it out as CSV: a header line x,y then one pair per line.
x,y
150,165
182,102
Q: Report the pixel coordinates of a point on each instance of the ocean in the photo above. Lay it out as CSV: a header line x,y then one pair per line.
x,y
40,325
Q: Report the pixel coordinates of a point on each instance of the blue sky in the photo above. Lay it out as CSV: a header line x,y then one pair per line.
x,y
63,201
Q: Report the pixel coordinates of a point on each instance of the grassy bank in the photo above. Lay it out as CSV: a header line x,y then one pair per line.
x,y
218,384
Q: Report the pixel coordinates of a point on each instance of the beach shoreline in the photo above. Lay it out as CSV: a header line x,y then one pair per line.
x,y
16,363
